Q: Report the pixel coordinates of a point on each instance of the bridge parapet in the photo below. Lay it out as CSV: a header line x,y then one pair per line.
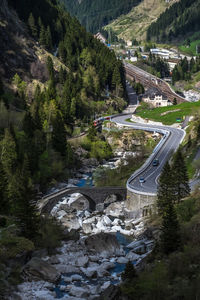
x,y
94,195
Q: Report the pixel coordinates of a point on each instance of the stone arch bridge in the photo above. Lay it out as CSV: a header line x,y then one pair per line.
x,y
94,195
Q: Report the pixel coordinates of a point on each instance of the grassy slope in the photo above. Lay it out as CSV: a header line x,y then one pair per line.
x,y
186,109
135,23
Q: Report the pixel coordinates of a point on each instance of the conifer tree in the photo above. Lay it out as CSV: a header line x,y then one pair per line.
x,y
165,192
180,177
32,25
48,39
42,38
1,88
50,68
28,125
8,153
59,135
61,75
170,235
22,199
4,205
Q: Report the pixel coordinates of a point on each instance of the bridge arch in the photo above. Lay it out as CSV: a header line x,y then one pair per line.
x,y
92,204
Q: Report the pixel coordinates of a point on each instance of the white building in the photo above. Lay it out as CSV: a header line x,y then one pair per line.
x,y
100,37
155,98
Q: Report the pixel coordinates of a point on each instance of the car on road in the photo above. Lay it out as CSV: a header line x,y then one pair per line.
x,y
155,162
141,180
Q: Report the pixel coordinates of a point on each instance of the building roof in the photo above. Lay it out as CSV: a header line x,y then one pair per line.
x,y
152,92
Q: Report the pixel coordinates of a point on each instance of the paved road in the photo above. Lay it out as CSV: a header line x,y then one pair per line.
x,y
171,139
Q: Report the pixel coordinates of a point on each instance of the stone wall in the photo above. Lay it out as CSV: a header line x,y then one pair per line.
x,y
141,205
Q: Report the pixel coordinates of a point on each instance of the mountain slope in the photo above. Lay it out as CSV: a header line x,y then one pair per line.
x,y
94,14
134,24
179,21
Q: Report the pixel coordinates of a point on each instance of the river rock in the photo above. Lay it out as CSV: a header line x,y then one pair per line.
x,y
138,246
87,228
105,285
37,269
90,272
94,289
106,220
102,242
82,261
122,260
94,258
71,222
61,214
76,277
53,260
79,292
64,269
132,256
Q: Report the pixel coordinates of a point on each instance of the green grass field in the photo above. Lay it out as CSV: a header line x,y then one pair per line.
x,y
190,50
186,109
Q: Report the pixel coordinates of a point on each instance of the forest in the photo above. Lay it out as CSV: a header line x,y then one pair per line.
x,y
34,127
95,14
178,21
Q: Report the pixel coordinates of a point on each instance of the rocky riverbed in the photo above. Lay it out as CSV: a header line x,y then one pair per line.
x,y
87,267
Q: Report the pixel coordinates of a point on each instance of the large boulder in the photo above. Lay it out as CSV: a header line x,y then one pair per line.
x,y
37,269
102,242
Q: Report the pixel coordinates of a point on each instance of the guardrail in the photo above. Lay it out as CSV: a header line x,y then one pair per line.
x,y
166,134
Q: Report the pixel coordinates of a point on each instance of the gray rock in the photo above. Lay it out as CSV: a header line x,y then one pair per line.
x,y
90,272
122,260
76,277
132,256
53,260
94,289
82,261
94,258
79,292
105,285
102,242
64,269
37,269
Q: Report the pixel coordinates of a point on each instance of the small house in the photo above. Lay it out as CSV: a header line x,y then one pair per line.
x,y
155,98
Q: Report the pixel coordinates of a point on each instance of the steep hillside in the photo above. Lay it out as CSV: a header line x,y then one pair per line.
x,y
134,25
178,22
94,14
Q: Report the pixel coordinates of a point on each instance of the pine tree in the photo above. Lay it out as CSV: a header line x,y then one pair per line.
x,y
42,38
28,125
32,25
61,75
8,153
22,199
4,205
129,272
1,88
170,240
48,39
165,192
73,108
180,177
59,135
50,68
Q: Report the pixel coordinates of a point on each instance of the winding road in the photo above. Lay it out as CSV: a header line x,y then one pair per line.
x,y
171,139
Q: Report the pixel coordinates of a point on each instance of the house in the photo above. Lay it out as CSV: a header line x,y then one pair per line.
x,y
155,98
100,37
